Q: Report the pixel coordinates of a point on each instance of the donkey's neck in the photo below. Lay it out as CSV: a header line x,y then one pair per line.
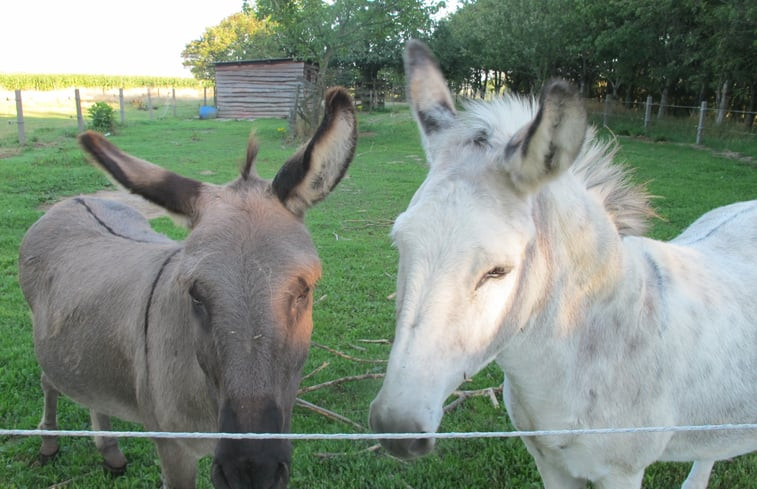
x,y
580,248
587,294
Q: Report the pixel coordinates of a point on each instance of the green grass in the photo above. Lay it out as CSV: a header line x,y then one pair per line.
x,y
350,229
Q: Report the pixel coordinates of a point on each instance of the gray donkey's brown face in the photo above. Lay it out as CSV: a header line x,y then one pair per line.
x,y
242,285
247,274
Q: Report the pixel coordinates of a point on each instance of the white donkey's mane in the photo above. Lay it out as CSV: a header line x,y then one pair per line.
x,y
492,123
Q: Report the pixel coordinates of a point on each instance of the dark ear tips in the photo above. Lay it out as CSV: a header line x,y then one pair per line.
x,y
558,90
91,141
337,99
417,53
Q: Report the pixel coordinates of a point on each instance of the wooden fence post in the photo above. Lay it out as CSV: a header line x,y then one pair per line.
x,y
173,98
606,114
700,127
20,119
79,116
121,105
149,103
647,112
204,96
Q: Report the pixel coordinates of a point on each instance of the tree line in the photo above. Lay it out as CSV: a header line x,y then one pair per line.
x,y
679,51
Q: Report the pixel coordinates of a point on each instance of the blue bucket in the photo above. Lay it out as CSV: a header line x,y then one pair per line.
x,y
208,112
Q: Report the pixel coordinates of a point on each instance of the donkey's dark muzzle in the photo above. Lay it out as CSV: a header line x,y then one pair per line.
x,y
259,464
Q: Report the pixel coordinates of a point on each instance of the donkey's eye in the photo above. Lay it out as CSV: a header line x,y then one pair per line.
x,y
493,274
304,292
194,295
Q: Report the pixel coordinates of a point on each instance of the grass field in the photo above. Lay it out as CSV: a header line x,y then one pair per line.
x,y
353,302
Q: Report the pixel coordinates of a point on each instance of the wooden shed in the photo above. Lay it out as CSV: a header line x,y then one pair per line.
x,y
261,88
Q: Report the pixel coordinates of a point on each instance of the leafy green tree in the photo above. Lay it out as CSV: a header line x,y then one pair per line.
x,y
366,34
241,36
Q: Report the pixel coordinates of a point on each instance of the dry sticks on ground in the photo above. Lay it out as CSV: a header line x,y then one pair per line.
x,y
461,395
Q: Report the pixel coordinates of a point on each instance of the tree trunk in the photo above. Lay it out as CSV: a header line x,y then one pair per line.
x,y
723,104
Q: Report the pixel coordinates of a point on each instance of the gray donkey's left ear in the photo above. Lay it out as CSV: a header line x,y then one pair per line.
x,y
310,175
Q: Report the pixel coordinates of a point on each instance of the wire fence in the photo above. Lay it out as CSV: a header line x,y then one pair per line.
x,y
380,436
26,116
702,124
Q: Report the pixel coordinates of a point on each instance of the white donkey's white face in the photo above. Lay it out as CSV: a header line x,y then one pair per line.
x,y
465,241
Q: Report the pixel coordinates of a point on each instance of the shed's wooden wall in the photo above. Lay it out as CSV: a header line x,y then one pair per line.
x,y
249,90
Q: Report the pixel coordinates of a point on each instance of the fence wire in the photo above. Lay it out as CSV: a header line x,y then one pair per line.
x,y
380,436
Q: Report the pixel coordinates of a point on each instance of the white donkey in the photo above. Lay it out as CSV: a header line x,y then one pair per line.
x,y
521,246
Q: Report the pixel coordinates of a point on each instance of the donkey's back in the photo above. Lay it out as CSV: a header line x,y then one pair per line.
x,y
85,269
731,229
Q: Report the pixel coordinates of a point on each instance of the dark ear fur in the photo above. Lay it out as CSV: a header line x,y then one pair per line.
x,y
315,169
427,89
550,143
169,190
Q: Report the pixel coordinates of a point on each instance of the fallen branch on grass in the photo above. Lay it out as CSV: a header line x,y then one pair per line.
x,y
329,414
462,396
341,380
380,341
315,371
344,355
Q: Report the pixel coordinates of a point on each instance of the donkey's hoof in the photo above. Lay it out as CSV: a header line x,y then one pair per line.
x,y
46,458
114,471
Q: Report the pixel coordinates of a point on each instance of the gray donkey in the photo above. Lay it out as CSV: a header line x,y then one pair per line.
x,y
209,334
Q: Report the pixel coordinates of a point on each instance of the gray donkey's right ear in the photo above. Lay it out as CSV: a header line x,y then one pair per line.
x,y
165,188
310,175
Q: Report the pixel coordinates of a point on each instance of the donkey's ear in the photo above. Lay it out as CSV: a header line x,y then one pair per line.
x,y
550,144
169,190
429,97
317,167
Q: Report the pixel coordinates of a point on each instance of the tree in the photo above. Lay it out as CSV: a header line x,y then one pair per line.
x,y
363,35
367,33
241,36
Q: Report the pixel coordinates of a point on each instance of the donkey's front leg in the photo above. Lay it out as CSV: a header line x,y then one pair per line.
x,y
49,448
178,467
552,475
113,459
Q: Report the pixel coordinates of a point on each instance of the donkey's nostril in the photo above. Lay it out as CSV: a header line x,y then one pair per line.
x,y
420,446
282,476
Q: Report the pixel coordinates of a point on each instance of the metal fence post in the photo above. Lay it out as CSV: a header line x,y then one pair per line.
x,y
20,119
606,114
648,112
700,127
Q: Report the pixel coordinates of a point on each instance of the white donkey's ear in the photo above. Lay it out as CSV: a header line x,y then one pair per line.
x,y
311,174
549,145
429,97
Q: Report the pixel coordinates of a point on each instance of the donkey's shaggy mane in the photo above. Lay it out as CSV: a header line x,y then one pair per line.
x,y
491,124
